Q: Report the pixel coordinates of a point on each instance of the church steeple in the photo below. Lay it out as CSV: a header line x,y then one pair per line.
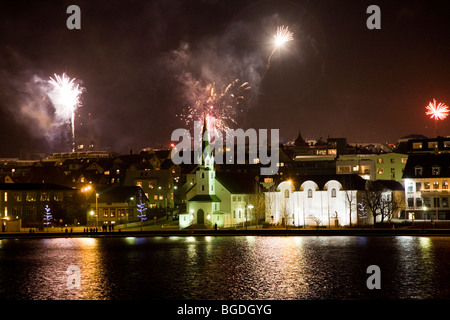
x,y
207,158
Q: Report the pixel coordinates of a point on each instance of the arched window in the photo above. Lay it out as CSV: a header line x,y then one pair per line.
x,y
286,193
309,193
333,193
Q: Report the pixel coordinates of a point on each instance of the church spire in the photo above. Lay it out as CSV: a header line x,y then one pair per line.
x,y
207,159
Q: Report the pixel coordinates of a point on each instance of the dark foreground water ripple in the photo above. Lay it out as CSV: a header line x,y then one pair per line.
x,y
225,267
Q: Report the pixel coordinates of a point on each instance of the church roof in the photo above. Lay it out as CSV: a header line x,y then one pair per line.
x,y
237,182
205,198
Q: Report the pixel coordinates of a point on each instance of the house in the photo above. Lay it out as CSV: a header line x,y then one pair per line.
x,y
426,179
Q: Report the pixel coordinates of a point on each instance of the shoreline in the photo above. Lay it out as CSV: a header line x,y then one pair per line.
x,y
234,232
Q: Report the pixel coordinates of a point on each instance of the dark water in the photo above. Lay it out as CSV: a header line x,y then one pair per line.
x,y
228,267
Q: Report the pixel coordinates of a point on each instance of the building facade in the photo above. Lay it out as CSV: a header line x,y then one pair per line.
x,y
27,202
426,179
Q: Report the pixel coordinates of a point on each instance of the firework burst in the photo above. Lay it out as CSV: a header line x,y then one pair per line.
x,y
437,112
282,36
220,107
66,98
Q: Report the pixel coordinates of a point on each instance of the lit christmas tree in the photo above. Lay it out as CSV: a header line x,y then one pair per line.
x,y
47,217
141,207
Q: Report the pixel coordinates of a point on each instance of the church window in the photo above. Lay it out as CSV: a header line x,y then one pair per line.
x,y
309,193
286,193
333,193
203,188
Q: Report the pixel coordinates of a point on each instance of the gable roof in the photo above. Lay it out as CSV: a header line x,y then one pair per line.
x,y
427,162
205,198
119,193
237,182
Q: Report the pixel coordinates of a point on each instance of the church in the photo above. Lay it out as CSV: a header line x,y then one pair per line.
x,y
219,199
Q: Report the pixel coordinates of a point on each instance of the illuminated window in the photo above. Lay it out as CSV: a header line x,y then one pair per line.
x,y
417,145
435,185
404,160
344,169
426,185
139,184
444,185
380,160
45,196
113,212
445,202
332,151
380,170
6,196
31,196
432,144
161,197
155,197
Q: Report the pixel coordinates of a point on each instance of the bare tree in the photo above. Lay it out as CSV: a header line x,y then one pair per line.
x,y
318,222
372,198
349,186
285,214
389,206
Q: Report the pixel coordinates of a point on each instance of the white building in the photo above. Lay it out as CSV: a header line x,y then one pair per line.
x,y
315,200
331,200
427,194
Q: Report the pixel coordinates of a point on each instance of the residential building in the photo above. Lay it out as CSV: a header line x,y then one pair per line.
x,y
383,166
426,179
114,205
26,202
420,144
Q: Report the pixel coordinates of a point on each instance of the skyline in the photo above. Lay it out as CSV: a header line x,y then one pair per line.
x,y
142,62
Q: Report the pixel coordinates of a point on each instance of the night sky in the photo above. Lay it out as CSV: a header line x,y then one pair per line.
x,y
142,62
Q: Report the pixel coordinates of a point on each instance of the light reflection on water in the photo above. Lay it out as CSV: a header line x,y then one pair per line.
x,y
242,267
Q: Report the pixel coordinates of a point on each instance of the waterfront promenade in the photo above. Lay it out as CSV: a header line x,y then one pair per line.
x,y
420,230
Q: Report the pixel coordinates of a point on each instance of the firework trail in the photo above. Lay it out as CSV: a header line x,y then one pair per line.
x,y
220,107
65,97
437,111
282,36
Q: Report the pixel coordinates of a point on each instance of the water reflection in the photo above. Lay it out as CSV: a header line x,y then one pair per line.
x,y
211,267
